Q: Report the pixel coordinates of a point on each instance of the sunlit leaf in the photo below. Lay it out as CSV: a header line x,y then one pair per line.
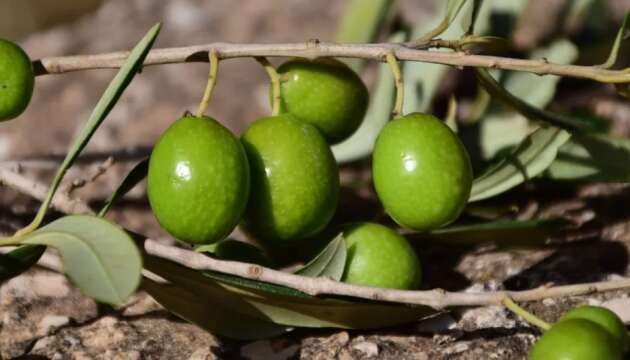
x,y
621,39
535,153
592,158
19,260
330,262
210,314
99,257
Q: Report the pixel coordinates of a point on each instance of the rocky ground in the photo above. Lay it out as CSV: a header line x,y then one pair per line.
x,y
43,317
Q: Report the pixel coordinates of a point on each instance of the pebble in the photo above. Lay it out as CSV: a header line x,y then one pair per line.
x,y
368,348
52,322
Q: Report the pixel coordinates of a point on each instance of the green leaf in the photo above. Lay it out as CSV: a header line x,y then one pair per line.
x,y
622,36
360,23
210,314
285,309
503,233
592,158
452,9
137,174
535,153
361,143
98,256
19,260
330,262
107,101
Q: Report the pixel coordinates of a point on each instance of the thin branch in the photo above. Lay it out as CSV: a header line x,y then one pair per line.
x,y
436,298
312,49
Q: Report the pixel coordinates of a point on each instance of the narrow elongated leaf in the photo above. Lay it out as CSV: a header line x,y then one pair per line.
x,y
98,256
137,174
452,9
503,233
360,22
330,262
103,107
621,39
19,260
535,153
286,309
592,158
210,314
361,143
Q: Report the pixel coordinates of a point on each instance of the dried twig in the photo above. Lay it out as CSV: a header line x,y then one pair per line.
x,y
315,48
436,298
91,177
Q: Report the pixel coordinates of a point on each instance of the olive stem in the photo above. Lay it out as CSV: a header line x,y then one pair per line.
x,y
212,81
274,79
526,315
400,87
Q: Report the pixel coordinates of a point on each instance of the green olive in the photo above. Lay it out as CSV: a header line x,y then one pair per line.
x,y
576,339
325,93
603,317
198,181
295,180
421,172
16,80
378,256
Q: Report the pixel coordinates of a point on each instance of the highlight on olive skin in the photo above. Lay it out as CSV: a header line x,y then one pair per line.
x,y
325,93
421,172
198,180
17,80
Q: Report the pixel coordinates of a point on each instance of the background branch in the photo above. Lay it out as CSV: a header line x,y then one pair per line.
x,y
436,298
314,48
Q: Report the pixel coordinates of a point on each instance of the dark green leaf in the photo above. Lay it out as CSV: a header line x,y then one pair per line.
x,y
102,109
98,256
210,314
621,39
137,174
535,153
19,260
504,233
330,262
592,158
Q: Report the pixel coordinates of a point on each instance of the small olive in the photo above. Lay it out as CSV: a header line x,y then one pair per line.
x,y
421,172
198,180
576,339
379,256
16,80
603,317
325,93
295,180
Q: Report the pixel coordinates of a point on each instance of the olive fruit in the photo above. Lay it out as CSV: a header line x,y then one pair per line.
x,y
575,339
379,256
604,318
421,172
198,180
294,180
325,93
16,80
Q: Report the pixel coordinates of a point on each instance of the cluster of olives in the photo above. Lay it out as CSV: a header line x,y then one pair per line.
x,y
583,333
281,179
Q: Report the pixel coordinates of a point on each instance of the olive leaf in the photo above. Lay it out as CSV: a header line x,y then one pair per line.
x,y
133,177
620,41
592,158
210,314
361,143
501,233
360,22
101,110
452,10
535,153
252,297
330,262
98,256
19,260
